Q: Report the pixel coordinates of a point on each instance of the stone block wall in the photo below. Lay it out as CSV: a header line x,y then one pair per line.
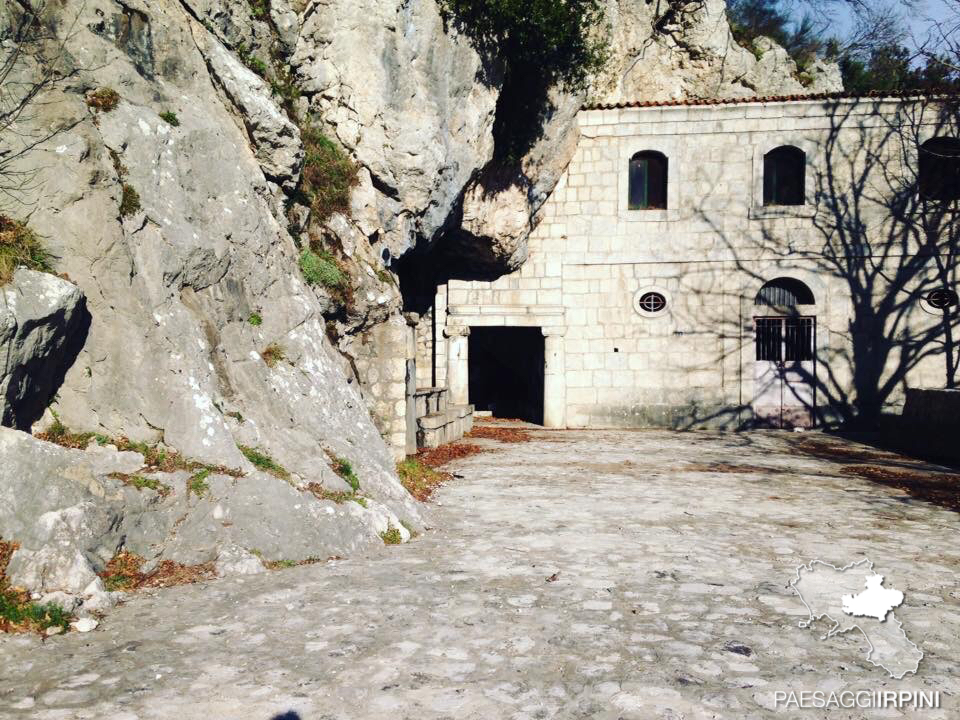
x,y
382,361
711,250
426,363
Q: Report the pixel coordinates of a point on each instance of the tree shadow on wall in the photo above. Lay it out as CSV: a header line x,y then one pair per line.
x,y
881,250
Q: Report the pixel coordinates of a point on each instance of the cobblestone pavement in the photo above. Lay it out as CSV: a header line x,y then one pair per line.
x,y
671,554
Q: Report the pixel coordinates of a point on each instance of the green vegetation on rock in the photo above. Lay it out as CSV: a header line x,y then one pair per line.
x,y
197,484
129,201
260,9
170,118
321,268
419,479
391,536
143,483
273,355
17,612
252,62
262,461
20,247
103,99
328,175
344,468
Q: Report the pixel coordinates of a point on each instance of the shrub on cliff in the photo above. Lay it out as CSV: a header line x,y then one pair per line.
x,y
320,268
20,246
104,99
328,174
129,201
535,45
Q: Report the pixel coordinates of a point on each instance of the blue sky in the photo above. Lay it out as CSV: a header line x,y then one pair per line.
x,y
917,16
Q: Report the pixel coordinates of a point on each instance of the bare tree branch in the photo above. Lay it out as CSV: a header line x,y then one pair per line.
x,y
33,62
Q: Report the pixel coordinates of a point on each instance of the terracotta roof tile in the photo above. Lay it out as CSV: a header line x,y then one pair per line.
x,y
767,99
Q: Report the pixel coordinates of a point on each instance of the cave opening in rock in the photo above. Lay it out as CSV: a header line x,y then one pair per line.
x,y
506,367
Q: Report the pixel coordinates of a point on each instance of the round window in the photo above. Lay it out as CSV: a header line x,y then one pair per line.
x,y
941,298
651,302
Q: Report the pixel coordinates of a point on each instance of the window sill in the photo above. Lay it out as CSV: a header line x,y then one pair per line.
x,y
649,215
772,212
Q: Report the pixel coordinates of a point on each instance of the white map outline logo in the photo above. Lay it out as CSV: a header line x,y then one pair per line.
x,y
871,601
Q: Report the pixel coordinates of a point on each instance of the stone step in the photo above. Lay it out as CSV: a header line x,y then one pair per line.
x,y
430,400
440,428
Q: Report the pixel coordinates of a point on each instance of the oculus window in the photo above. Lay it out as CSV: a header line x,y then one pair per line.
x,y
784,169
652,302
942,298
648,181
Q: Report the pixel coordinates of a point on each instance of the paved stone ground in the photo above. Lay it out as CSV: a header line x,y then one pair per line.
x,y
665,568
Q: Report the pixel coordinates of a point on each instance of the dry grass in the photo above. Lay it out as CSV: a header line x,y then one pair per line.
x,y
337,496
272,355
500,434
104,99
438,457
941,489
283,564
169,573
124,572
20,246
720,467
329,174
60,435
419,479
156,459
838,451
391,536
140,483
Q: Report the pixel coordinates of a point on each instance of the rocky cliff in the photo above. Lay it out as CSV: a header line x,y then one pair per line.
x,y
170,197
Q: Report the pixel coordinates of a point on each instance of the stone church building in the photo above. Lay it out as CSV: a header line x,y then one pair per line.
x,y
775,262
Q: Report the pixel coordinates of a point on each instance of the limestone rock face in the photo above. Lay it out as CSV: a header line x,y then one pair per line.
x,y
275,139
71,511
171,355
407,98
496,219
696,56
43,321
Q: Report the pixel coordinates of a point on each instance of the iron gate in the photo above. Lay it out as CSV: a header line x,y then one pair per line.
x,y
785,394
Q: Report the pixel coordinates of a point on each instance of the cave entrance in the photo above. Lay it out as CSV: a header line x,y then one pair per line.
x,y
506,367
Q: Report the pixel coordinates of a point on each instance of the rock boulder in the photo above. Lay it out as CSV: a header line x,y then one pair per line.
x,y
43,325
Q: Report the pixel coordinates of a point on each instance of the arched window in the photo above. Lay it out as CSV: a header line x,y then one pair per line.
x,y
784,169
939,171
784,292
648,181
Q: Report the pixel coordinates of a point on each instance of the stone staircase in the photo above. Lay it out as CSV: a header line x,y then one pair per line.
x,y
439,422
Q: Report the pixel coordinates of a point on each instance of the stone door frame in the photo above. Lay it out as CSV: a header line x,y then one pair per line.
x,y
550,320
